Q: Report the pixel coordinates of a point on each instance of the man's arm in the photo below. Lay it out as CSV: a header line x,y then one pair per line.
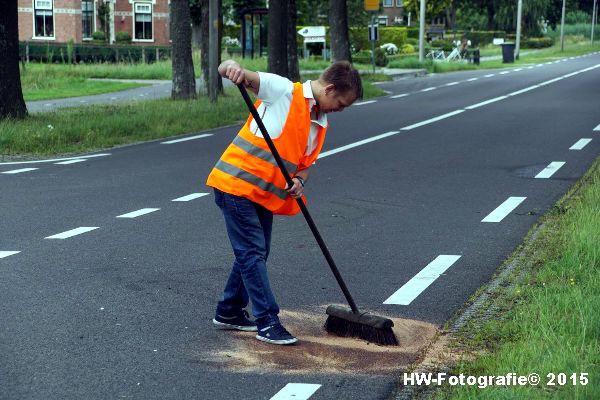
x,y
235,73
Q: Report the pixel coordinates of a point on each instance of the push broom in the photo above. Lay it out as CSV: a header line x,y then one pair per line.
x,y
340,321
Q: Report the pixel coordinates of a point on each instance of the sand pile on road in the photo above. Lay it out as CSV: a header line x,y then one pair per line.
x,y
318,351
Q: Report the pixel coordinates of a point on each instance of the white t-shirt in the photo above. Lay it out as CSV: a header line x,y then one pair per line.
x,y
275,92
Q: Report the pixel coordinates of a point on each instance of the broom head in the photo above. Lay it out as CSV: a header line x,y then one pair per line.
x,y
342,321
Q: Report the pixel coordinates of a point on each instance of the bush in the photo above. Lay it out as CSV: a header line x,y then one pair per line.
x,y
481,38
362,57
537,43
359,36
407,49
123,37
99,35
381,59
413,33
55,52
444,44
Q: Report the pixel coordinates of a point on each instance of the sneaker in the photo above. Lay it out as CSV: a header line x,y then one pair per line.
x,y
239,322
275,334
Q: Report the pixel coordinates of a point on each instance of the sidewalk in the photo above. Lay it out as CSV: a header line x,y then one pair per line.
x,y
162,89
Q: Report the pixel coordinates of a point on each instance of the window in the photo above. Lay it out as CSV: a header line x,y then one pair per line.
x,y
43,18
399,3
388,3
143,21
87,18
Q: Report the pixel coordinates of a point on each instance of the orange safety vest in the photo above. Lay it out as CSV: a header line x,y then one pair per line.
x,y
248,169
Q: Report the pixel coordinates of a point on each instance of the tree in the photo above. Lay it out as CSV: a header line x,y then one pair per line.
x,y
432,7
292,43
338,30
184,81
12,104
277,37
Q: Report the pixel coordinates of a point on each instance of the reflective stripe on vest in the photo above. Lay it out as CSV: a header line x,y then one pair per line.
x,y
262,154
250,178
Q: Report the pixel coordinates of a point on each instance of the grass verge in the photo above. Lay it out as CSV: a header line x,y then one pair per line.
x,y
546,321
91,128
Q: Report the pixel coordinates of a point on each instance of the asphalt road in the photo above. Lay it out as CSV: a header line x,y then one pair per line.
x,y
404,184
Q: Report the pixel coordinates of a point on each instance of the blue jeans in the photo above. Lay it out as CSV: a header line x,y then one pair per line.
x,y
249,227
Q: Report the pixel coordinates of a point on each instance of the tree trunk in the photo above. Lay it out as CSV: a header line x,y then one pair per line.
x,y
204,23
277,37
184,82
292,43
491,13
338,23
12,104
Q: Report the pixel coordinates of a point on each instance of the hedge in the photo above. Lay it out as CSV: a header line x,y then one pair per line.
x,y
64,52
359,37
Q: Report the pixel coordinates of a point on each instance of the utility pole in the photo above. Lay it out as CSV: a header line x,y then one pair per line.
x,y
562,28
594,20
213,49
422,32
518,41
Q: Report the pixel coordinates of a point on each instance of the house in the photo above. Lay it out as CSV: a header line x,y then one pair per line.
x,y
146,21
393,13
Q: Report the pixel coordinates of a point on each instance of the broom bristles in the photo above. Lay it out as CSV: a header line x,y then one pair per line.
x,y
345,328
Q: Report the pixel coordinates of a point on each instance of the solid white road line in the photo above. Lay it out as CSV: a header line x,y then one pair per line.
x,y
429,121
187,138
71,161
72,232
135,214
399,95
550,170
483,103
8,253
191,197
296,391
421,281
581,143
504,209
597,128
356,144
53,160
362,103
18,171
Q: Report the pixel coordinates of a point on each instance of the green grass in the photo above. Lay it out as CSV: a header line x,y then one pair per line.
x,y
548,323
83,129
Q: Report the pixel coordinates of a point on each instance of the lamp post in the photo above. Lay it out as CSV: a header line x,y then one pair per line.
x,y
594,20
422,32
562,28
518,41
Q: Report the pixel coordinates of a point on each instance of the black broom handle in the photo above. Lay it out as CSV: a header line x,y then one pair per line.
x,y
303,208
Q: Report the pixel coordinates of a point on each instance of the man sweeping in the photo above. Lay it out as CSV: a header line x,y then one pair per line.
x,y
249,188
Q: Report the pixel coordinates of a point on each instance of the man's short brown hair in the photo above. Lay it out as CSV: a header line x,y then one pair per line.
x,y
344,78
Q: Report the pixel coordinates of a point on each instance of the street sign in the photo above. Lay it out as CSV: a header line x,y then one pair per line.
x,y
313,34
372,5
374,32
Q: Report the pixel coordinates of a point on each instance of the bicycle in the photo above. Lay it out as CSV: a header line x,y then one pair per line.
x,y
436,54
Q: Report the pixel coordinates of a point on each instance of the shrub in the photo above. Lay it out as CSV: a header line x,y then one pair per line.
x,y
381,59
359,36
481,38
444,44
99,35
123,37
413,33
537,43
407,49
362,57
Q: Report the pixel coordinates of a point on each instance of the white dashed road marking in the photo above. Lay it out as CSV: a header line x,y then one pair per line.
x,y
191,197
187,138
71,161
72,232
18,171
135,214
362,103
488,75
399,95
421,281
451,83
597,129
504,209
581,143
8,253
429,89
550,170
483,103
296,391
472,79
